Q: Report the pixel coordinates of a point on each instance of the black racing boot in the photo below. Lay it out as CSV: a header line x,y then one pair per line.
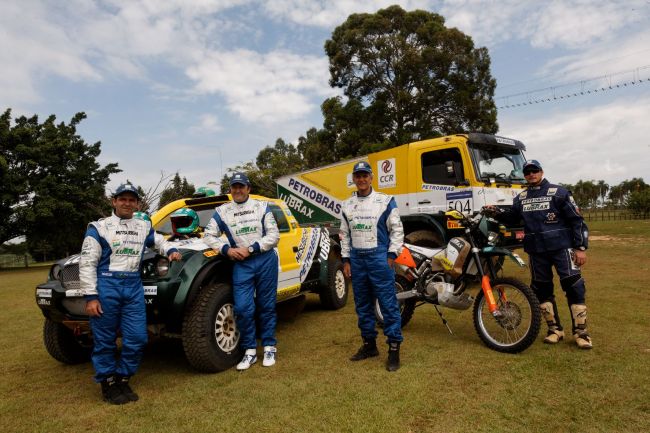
x,y
368,350
112,391
392,364
123,383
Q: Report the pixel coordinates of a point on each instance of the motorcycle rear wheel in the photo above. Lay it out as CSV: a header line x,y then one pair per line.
x,y
406,308
521,318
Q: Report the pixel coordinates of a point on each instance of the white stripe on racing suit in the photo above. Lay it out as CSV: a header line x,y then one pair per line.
x,y
250,223
114,244
370,222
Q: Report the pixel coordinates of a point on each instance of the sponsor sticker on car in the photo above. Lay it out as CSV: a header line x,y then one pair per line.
x,y
44,293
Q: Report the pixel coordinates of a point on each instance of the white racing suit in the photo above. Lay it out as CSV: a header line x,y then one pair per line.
x,y
254,280
371,232
109,270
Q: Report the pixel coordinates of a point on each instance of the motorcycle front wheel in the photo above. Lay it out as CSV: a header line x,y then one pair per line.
x,y
517,326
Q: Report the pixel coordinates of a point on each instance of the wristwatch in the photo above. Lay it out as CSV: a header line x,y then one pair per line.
x,y
581,248
251,249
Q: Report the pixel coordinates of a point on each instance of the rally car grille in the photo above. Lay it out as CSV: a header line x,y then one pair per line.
x,y
70,276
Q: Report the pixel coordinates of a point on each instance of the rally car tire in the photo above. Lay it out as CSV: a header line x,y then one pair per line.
x,y
210,335
62,345
335,295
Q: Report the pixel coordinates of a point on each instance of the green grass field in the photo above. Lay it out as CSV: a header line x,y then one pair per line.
x,y
448,383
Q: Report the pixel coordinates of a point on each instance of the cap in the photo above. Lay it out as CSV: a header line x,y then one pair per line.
x,y
532,163
239,177
362,166
126,187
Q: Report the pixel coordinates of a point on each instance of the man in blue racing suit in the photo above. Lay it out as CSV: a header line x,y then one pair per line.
x,y
109,274
555,235
371,239
245,231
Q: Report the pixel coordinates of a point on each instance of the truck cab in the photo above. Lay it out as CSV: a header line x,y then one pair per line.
x,y
463,172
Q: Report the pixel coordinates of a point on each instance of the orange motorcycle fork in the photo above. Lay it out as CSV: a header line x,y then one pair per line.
x,y
489,296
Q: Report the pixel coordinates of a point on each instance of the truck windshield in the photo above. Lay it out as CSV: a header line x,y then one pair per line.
x,y
503,164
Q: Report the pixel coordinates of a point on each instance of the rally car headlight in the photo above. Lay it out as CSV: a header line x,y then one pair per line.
x,y
162,266
55,272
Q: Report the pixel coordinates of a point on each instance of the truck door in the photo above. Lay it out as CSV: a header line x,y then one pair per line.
x,y
287,247
441,181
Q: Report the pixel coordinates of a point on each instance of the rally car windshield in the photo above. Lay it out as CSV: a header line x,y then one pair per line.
x,y
165,225
503,164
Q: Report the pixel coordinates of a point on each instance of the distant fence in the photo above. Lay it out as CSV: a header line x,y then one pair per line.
x,y
612,215
16,261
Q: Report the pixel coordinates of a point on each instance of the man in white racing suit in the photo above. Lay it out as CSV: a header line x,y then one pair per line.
x,y
109,274
371,239
245,231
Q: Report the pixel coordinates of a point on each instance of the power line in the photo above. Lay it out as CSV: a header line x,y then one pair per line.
x,y
589,86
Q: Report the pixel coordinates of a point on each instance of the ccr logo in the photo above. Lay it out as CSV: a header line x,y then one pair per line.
x,y
386,169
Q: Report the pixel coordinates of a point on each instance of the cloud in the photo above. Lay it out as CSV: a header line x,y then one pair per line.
x,y
621,55
572,25
606,142
207,123
262,87
32,47
544,25
331,13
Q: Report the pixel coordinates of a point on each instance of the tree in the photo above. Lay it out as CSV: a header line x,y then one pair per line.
x,y
411,76
603,188
639,201
271,163
52,183
177,190
618,194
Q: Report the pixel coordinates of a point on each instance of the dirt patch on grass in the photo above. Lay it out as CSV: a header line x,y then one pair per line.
x,y
618,240
604,238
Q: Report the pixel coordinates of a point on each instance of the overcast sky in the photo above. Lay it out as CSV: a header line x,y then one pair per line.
x,y
200,86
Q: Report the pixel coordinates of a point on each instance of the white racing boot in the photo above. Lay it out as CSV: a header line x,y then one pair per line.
x,y
250,358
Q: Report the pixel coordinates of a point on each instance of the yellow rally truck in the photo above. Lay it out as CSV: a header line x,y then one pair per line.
x,y
463,172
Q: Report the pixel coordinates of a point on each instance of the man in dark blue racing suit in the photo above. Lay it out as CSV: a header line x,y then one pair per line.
x,y
109,276
555,235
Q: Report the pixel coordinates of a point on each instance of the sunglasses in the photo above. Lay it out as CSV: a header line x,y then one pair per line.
x,y
534,170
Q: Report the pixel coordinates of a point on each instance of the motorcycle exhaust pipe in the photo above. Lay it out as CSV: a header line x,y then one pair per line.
x,y
402,296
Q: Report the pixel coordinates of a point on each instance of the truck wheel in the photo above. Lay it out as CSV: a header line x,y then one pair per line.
x,y
63,346
424,238
210,335
335,294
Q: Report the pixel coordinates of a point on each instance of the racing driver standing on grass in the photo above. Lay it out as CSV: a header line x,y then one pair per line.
x,y
555,235
109,274
245,231
371,239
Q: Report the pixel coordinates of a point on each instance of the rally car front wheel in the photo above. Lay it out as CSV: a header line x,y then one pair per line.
x,y
210,335
63,345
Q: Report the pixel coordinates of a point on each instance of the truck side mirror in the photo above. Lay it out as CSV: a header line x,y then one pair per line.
x,y
457,175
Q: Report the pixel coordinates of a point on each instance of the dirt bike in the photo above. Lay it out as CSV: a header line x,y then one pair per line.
x,y
506,311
